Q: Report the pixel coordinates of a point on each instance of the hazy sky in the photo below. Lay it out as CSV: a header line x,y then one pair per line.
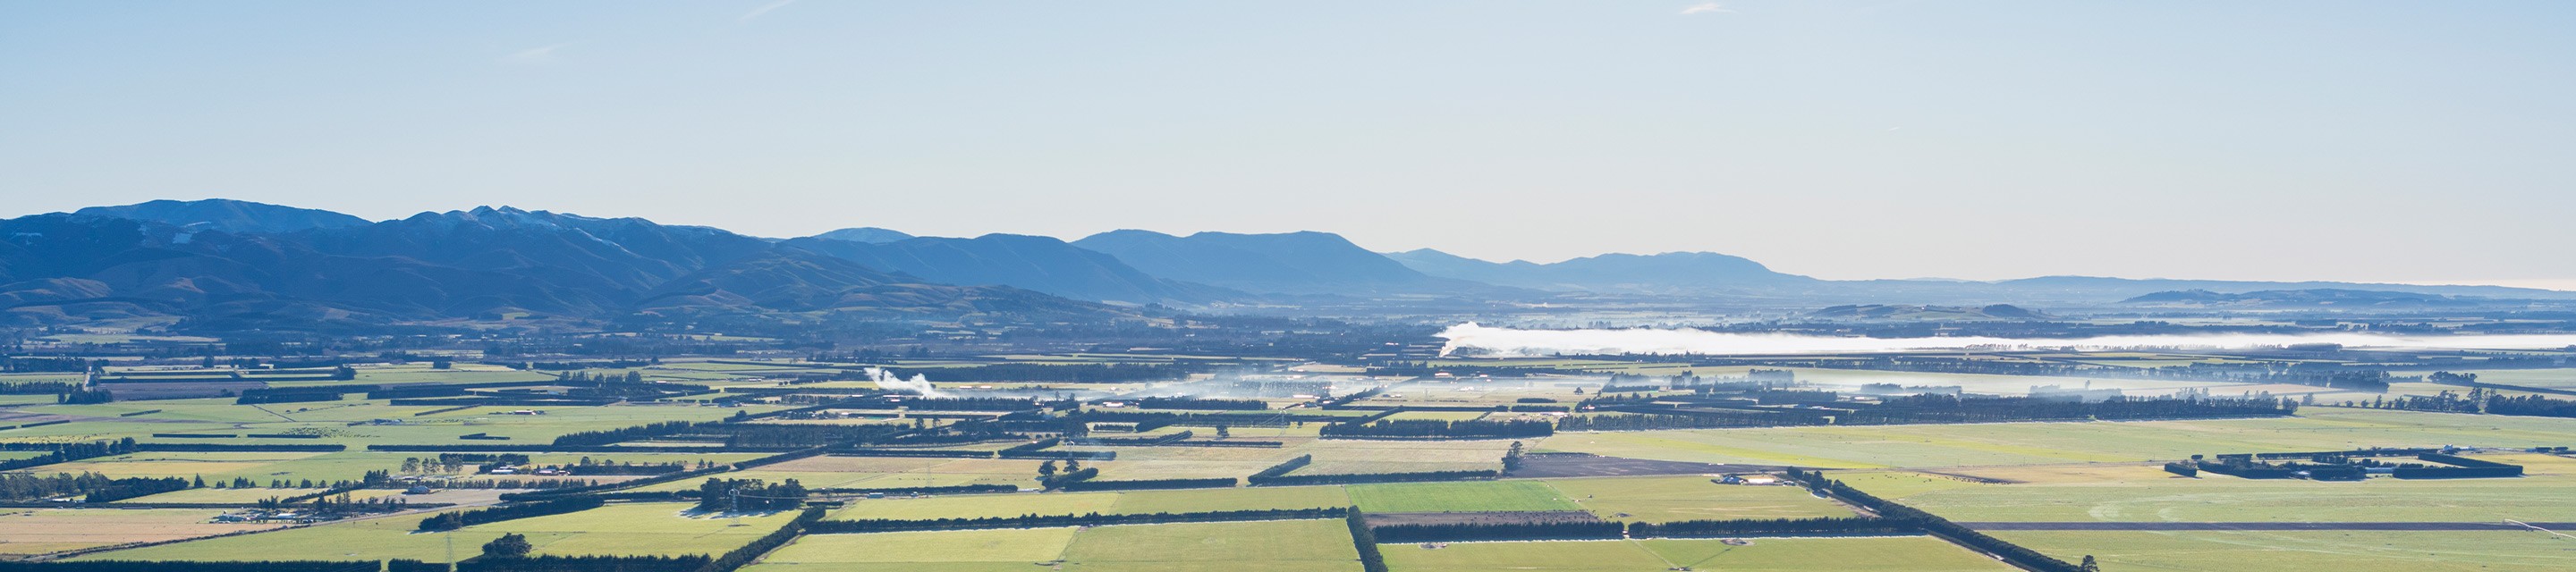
x,y
2416,141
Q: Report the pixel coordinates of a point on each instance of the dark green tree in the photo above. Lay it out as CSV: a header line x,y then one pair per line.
x,y
508,546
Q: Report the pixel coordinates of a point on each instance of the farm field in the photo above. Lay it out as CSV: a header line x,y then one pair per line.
x,y
641,528
39,531
1270,546
2139,493
2341,551
1123,502
1471,496
1666,499
1912,553
2315,429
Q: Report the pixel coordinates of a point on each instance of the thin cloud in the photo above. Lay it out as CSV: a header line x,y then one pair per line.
x,y
763,9
536,55
1707,8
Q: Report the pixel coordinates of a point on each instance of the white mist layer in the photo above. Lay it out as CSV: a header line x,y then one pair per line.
x,y
919,383
1508,342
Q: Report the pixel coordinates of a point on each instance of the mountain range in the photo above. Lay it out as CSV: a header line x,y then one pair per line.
x,y
231,264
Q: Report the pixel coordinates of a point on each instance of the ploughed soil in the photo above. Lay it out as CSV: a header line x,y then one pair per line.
x,y
1497,517
1564,465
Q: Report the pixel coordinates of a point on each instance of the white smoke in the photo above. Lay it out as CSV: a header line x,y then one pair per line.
x,y
1508,342
919,383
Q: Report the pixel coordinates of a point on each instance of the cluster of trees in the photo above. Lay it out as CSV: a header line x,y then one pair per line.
x,y
72,452
1655,421
1542,530
740,495
346,504
86,398
1348,479
739,557
1053,521
1201,403
1081,373
39,388
624,434
1438,429
461,519
1275,471
1149,484
1931,408
493,560
1573,529
43,365
126,488
1073,472
29,486
1365,540
1750,527
297,394
2478,401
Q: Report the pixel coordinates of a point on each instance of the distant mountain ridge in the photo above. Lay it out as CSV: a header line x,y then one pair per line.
x,y
1671,272
868,234
2311,298
1039,263
228,215
1295,263
220,263
486,263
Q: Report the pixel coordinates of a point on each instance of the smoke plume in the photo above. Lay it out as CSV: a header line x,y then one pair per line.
x,y
919,383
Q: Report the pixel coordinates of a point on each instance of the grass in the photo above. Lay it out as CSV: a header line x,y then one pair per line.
x,y
40,531
1667,499
2147,494
2316,429
2340,551
643,528
1272,546
1912,554
957,551
1471,496
996,505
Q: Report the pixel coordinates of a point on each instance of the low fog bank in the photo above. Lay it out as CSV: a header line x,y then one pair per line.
x,y
1508,342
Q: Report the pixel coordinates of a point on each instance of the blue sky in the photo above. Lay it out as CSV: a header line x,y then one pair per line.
x,y
2384,141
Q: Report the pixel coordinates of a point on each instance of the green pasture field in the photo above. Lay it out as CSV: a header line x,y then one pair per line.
x,y
642,528
245,496
1440,415
1667,499
1909,553
13,378
1012,550
2298,551
333,419
2315,429
1350,456
1469,496
1123,502
1272,546
2144,493
40,531
883,473
263,467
